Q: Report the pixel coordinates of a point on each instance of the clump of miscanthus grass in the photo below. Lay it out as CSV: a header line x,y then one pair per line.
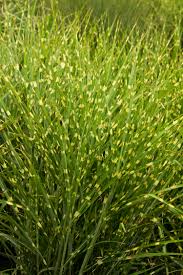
x,y
90,146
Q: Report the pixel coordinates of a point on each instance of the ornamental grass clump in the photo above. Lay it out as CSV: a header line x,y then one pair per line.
x,y
91,123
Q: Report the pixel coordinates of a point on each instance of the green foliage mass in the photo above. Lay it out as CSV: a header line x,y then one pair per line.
x,y
91,131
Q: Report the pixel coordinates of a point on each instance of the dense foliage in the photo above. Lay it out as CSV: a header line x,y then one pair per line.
x,y
91,127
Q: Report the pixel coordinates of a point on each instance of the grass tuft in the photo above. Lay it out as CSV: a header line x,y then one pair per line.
x,y
91,119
